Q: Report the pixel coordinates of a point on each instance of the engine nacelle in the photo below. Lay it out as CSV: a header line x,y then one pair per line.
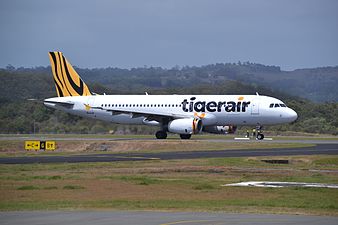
x,y
185,126
220,129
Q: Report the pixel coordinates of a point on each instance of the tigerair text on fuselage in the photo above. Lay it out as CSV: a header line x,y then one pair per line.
x,y
212,106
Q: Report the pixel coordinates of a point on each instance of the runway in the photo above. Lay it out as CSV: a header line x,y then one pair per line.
x,y
158,218
318,149
84,138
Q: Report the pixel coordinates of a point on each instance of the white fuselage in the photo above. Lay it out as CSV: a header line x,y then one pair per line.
x,y
213,110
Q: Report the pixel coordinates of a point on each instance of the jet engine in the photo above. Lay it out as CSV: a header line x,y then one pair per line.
x,y
220,129
185,126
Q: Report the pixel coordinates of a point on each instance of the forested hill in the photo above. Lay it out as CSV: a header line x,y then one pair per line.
x,y
318,84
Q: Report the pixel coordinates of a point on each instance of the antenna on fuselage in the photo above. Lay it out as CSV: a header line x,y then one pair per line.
x,y
146,93
257,94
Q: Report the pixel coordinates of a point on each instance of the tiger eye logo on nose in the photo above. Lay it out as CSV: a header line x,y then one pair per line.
x,y
240,98
87,107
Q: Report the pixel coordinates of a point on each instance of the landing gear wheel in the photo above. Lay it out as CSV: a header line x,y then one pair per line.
x,y
161,134
260,136
185,136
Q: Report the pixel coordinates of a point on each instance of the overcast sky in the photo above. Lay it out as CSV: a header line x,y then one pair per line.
x,y
288,33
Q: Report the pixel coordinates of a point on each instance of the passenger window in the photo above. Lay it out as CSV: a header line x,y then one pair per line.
x,y
271,105
276,105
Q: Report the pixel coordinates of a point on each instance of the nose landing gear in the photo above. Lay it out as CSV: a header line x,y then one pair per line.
x,y
259,134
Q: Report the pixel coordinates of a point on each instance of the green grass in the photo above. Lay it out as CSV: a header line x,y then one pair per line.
x,y
47,177
333,161
204,187
140,180
28,178
72,187
319,202
191,185
50,188
28,187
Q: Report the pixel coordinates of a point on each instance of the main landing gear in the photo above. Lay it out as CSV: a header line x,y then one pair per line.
x,y
185,136
163,135
260,135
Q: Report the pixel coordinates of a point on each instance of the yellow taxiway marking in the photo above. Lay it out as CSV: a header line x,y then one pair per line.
x,y
187,221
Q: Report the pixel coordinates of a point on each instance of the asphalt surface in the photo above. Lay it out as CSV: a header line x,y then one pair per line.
x,y
84,138
318,149
157,218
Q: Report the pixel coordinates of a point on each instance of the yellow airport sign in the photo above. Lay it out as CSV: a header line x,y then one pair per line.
x,y
32,145
40,145
50,145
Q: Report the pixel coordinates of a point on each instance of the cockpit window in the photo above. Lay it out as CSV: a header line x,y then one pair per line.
x,y
275,105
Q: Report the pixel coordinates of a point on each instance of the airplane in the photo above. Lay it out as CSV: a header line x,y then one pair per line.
x,y
179,114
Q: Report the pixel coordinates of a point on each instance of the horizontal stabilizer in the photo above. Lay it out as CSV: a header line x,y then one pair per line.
x,y
63,104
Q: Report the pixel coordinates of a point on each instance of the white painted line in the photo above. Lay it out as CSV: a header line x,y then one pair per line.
x,y
277,184
236,138
267,139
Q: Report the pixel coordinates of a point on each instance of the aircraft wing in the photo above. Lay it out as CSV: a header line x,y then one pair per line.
x,y
149,115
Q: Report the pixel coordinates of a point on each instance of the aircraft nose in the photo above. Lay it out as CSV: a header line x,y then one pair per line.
x,y
292,115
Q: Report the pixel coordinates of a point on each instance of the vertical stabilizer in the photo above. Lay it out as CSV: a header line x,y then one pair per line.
x,y
67,81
